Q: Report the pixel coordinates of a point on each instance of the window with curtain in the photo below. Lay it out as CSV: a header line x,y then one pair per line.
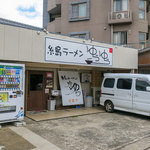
x,y
142,9
142,40
75,11
120,38
120,5
79,10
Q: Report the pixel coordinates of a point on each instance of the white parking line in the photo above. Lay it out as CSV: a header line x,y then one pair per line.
x,y
2,147
36,140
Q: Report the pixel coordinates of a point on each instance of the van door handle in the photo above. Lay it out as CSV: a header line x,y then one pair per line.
x,y
129,94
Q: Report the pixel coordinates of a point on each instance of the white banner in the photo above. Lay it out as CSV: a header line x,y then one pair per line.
x,y
70,88
67,52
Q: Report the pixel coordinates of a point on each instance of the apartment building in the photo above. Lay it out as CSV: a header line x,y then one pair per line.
x,y
121,22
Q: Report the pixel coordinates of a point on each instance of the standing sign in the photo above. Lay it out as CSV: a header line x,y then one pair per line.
x,y
70,88
68,52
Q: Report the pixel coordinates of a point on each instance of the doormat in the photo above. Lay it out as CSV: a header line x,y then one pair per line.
x,y
57,114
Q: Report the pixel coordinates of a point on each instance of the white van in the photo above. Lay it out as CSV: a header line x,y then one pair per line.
x,y
126,92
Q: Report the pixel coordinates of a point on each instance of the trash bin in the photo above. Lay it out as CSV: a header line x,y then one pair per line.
x,y
51,104
88,101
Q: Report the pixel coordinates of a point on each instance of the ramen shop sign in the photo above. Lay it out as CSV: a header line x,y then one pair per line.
x,y
68,52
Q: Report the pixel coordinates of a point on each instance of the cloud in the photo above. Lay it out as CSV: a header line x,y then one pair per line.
x,y
30,12
24,11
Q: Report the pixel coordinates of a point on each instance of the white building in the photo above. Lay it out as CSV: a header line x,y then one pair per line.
x,y
27,45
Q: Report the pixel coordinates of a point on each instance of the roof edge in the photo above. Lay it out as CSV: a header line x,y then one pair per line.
x,y
18,24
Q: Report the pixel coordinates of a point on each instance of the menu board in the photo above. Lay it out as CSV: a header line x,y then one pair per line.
x,y
49,80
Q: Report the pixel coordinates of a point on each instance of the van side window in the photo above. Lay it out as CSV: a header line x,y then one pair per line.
x,y
141,85
109,83
124,84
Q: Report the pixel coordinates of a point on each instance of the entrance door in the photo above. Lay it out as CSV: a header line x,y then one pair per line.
x,y
36,94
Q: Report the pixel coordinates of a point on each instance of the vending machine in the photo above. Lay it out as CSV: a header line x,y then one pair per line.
x,y
11,92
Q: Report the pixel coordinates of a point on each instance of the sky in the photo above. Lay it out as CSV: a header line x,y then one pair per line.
x,y
24,11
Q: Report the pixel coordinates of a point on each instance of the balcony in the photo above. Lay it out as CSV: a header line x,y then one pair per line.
x,y
120,17
52,4
54,26
138,45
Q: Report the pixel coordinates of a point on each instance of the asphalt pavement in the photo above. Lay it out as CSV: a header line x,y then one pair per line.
x,y
101,131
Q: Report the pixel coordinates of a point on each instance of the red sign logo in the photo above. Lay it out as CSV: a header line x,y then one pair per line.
x,y
110,50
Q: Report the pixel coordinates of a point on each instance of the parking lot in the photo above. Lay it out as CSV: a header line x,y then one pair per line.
x,y
99,131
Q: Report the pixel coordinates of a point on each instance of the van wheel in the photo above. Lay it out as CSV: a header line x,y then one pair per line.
x,y
109,107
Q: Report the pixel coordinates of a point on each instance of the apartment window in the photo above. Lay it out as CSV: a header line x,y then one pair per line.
x,y
120,38
79,10
142,40
82,35
142,9
120,5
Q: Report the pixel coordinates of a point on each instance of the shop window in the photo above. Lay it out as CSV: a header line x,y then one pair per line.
x,y
124,84
142,40
79,10
120,5
86,77
109,83
141,85
142,9
36,82
120,38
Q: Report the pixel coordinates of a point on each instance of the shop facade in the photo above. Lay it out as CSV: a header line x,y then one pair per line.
x,y
46,56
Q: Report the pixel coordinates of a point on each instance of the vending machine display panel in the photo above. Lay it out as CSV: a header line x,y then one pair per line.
x,y
11,92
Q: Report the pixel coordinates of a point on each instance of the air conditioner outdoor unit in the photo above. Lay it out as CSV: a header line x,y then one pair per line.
x,y
120,16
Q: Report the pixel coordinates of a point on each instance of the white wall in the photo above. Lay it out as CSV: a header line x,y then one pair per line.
x,y
19,44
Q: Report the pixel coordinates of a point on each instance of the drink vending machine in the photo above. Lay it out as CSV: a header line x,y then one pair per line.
x,y
11,92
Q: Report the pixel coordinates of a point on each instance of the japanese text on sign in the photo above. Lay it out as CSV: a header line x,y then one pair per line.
x,y
77,53
70,88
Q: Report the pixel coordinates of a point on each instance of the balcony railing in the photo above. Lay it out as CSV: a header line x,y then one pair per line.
x,y
54,26
139,45
52,4
120,17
